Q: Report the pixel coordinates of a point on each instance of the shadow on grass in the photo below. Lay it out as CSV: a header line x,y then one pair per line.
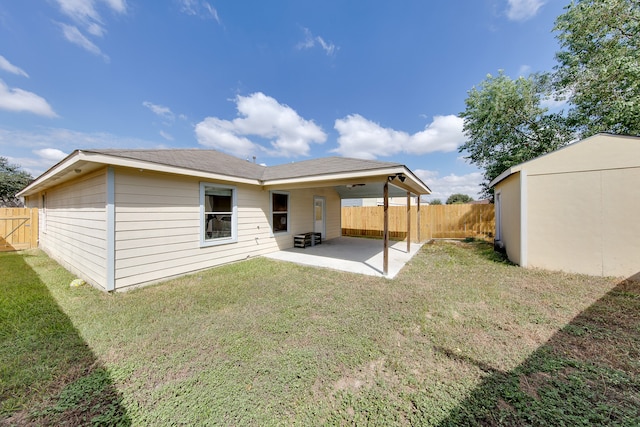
x,y
588,373
48,374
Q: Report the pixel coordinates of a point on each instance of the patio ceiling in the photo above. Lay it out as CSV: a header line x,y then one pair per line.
x,y
369,190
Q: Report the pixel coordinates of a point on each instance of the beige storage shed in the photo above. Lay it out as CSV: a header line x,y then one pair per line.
x,y
576,209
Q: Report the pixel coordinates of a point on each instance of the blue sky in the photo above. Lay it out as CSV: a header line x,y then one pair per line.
x,y
283,81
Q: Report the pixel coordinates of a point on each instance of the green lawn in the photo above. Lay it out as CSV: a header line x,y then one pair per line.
x,y
460,337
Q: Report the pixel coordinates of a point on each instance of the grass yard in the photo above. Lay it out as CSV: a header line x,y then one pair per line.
x,y
460,337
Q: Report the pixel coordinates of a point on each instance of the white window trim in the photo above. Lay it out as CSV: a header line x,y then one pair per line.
x,y
234,216
288,231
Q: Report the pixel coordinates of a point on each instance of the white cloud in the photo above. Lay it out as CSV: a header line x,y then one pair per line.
x,y
51,154
39,161
73,35
119,6
199,8
212,11
34,150
310,41
262,116
521,10
85,14
9,67
364,139
18,100
445,186
524,70
166,135
160,110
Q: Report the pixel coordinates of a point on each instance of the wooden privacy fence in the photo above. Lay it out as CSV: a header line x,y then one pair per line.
x,y
436,221
18,229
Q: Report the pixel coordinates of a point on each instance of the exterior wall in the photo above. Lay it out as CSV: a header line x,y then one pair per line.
x,y
620,227
510,216
157,230
599,152
301,214
73,226
565,222
585,222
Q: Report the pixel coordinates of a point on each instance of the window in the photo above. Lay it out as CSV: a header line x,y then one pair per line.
x,y
218,207
280,212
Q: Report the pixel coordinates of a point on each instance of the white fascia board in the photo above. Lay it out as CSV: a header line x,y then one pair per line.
x,y
349,176
505,174
63,165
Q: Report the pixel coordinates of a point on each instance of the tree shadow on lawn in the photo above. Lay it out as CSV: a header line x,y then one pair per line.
x,y
48,374
588,373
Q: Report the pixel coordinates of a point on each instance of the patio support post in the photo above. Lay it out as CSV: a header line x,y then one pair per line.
x,y
418,221
408,222
385,252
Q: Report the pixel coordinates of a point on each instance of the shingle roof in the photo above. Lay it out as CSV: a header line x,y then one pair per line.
x,y
201,160
322,166
216,162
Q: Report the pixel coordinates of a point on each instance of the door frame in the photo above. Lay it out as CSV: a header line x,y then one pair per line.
x,y
323,232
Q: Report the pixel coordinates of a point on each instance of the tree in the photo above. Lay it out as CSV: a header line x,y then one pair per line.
x,y
505,124
12,180
459,198
599,65
435,202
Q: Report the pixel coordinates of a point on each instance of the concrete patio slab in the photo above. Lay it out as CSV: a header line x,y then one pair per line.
x,y
351,254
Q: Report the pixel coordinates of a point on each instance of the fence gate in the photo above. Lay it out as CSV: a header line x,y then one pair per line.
x,y
18,229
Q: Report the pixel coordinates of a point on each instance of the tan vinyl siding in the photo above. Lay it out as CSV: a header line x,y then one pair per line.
x,y
158,228
301,214
75,230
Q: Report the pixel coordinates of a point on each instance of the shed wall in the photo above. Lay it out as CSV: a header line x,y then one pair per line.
x,y
585,222
565,222
510,216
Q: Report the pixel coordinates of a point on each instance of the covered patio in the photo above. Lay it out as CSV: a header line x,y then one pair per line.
x,y
351,254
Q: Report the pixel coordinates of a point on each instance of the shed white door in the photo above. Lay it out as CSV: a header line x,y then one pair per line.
x,y
319,216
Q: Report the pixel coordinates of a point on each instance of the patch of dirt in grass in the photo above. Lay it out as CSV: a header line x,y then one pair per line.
x,y
365,376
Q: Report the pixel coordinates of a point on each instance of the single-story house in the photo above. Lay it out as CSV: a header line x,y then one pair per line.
x,y
125,218
575,209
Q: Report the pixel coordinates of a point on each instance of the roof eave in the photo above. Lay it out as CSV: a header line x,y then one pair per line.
x,y
414,185
504,175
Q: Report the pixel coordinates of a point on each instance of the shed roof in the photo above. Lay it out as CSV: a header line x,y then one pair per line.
x,y
597,152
